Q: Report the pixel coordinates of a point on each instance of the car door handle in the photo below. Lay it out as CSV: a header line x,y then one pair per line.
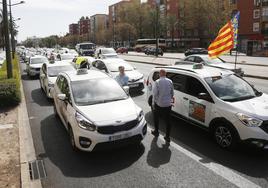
x,y
185,98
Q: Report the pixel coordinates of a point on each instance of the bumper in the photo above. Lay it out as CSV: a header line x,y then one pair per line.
x,y
136,86
250,133
34,72
96,141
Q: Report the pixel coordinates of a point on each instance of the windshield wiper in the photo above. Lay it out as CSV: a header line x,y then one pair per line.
x,y
240,98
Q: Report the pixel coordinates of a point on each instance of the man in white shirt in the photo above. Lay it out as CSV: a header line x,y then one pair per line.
x,y
163,98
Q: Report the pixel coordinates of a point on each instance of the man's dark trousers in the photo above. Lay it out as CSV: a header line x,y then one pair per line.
x,y
165,113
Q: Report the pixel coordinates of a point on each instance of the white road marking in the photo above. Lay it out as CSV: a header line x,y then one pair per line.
x,y
7,126
218,169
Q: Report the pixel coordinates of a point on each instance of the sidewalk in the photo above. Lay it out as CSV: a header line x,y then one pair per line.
x,y
260,72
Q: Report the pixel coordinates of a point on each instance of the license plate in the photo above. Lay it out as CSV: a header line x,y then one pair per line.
x,y
119,137
134,85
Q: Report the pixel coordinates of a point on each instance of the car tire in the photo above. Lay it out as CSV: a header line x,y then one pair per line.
x,y
225,136
72,141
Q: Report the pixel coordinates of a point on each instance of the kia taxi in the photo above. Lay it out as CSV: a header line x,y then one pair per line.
x,y
97,112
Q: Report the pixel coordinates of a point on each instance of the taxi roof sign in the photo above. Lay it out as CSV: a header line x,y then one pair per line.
x,y
82,71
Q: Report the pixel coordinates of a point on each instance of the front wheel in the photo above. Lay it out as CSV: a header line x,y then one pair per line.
x,y
225,136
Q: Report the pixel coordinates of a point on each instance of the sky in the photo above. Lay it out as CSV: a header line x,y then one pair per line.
x,y
42,18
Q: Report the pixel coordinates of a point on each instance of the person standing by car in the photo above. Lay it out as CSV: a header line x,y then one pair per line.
x,y
122,78
163,98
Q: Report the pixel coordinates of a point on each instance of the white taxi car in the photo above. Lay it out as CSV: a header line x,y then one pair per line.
x,y
218,100
34,65
49,73
96,111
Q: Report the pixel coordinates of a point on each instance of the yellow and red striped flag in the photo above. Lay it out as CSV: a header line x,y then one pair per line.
x,y
226,39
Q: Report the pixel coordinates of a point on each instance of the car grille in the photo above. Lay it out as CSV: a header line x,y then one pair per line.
x,y
264,126
111,129
133,80
37,69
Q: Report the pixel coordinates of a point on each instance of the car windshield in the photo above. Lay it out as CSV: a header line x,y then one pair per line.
x,y
108,51
87,46
114,67
55,70
213,61
95,91
231,88
39,60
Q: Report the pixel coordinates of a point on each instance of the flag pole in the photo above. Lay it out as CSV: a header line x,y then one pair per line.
x,y
235,57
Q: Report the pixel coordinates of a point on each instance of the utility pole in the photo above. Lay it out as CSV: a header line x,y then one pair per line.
x,y
7,42
12,31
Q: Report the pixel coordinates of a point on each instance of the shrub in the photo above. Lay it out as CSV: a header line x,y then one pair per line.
x,y
10,88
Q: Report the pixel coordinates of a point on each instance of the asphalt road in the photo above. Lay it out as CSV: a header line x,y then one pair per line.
x,y
192,160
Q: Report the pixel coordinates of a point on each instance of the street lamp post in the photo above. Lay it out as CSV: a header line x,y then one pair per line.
x,y
7,42
12,28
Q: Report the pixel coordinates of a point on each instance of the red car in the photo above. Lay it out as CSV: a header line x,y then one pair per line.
x,y
122,50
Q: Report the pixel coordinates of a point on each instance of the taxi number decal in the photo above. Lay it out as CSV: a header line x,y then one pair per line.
x,y
197,111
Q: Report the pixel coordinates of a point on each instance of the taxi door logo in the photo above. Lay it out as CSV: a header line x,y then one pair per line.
x,y
197,111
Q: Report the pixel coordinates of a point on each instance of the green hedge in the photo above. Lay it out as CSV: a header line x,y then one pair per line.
x,y
10,88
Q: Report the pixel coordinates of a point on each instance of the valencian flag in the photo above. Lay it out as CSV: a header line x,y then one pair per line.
x,y
226,39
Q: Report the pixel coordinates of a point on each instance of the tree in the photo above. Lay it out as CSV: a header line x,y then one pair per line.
x,y
171,21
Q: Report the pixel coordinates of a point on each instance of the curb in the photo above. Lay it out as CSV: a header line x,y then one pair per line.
x,y
160,64
27,151
175,58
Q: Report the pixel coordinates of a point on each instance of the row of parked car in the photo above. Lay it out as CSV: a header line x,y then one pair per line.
x,y
96,111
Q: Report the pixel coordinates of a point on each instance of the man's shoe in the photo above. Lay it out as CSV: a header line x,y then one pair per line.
x,y
155,133
167,139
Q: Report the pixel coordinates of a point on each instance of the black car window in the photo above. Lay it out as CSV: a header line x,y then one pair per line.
x,y
194,87
100,65
65,88
156,76
179,81
59,81
192,58
198,59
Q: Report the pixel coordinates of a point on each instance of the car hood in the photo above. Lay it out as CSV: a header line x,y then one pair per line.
x,y
108,113
36,65
256,107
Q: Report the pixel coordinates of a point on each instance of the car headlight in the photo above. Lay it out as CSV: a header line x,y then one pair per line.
x,y
249,121
141,116
84,123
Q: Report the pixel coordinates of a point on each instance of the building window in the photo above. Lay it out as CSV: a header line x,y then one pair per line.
x,y
257,3
265,11
256,14
256,27
233,1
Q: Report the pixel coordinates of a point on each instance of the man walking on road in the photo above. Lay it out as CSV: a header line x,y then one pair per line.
x,y
163,98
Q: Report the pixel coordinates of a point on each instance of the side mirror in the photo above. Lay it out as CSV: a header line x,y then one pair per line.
x,y
62,97
126,88
205,96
